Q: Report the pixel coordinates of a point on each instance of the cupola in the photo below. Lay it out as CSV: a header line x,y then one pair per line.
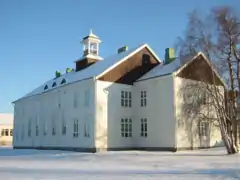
x,y
90,51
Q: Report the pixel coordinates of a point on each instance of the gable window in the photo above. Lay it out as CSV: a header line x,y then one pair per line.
x,y
143,98
63,81
54,84
203,128
75,128
126,127
126,99
46,87
144,127
145,59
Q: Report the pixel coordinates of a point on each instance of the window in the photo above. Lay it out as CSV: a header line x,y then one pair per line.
x,y
2,132
126,99
11,132
63,81
203,128
46,87
145,59
202,95
64,127
54,84
53,128
87,98
36,129
75,128
29,128
86,129
22,134
93,48
44,128
75,100
143,98
126,127
144,127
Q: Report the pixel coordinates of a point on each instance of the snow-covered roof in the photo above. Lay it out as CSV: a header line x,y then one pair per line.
x,y
165,69
6,119
95,70
161,70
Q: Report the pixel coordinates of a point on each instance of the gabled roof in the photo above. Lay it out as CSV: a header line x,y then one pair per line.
x,y
176,67
94,71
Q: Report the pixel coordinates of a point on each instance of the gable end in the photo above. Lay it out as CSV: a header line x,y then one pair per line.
x,y
132,68
200,70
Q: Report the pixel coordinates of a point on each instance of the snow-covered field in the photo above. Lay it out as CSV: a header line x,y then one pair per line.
x,y
61,165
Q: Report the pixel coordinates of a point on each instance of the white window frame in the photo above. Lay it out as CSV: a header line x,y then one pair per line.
x,y
126,127
64,127
75,128
144,127
203,127
37,129
53,128
29,128
126,98
143,94
86,128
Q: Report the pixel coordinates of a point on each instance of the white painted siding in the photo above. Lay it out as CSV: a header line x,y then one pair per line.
x,y
108,115
159,113
187,128
54,106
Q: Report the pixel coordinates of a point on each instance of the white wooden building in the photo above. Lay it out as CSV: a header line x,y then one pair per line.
x,y
125,101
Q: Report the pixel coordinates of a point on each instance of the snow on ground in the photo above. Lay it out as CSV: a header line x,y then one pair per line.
x,y
123,165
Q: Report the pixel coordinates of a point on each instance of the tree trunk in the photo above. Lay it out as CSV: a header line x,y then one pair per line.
x,y
228,141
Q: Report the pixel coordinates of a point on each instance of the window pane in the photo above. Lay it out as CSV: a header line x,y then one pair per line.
x,y
126,127
126,94
122,102
122,94
122,127
141,94
130,95
130,103
145,102
130,127
126,103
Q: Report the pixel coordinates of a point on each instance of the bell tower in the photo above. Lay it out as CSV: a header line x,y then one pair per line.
x,y
90,51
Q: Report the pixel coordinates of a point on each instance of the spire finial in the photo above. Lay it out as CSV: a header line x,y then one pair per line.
x,y
90,31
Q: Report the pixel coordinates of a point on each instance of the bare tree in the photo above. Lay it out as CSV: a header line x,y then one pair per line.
x,y
217,36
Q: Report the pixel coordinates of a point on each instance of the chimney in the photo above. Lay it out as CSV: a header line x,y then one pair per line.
x,y
122,49
169,55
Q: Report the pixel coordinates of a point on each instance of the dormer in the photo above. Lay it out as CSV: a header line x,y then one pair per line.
x,y
90,51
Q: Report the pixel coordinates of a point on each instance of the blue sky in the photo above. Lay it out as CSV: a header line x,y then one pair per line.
x,y
39,37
